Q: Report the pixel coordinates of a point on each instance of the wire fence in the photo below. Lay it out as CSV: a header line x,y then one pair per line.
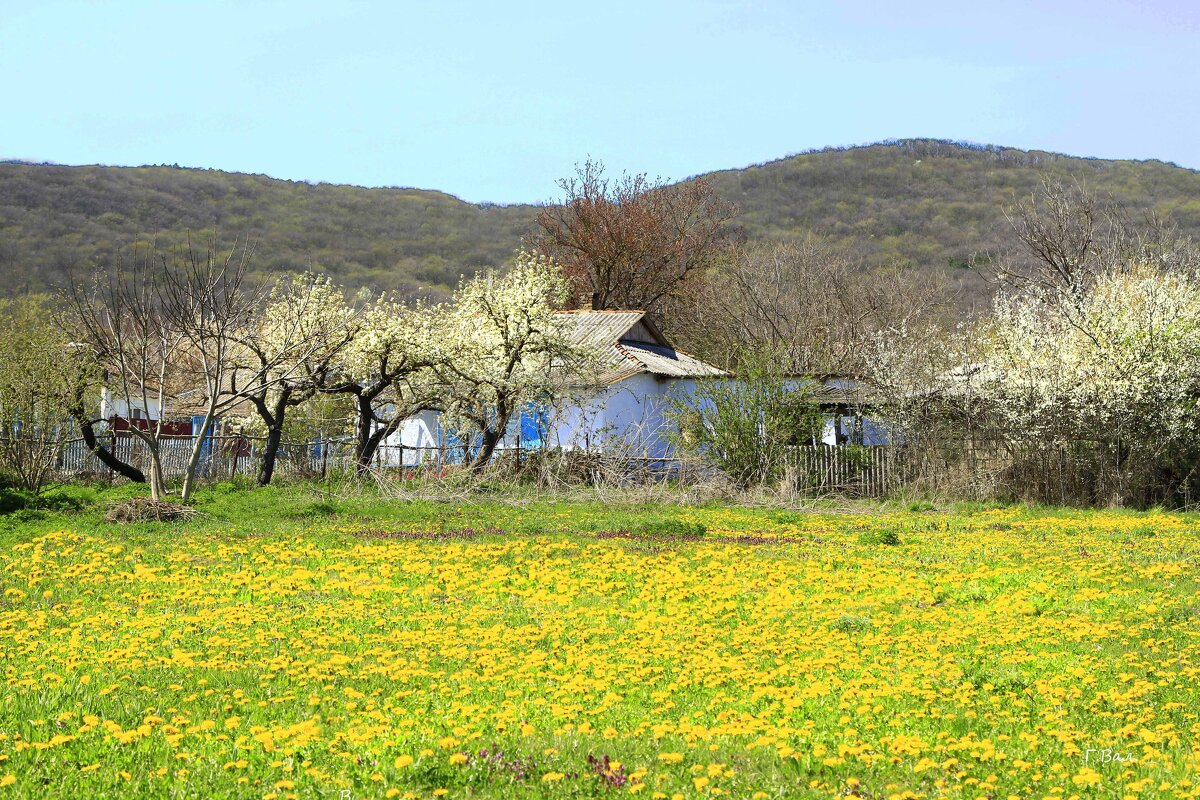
x,y
820,469
975,470
224,457
227,456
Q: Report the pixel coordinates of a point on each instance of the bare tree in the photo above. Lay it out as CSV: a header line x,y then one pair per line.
x,y
205,299
176,336
630,243
812,307
81,405
121,318
1062,228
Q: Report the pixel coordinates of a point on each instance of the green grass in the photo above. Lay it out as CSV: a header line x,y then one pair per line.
x,y
298,640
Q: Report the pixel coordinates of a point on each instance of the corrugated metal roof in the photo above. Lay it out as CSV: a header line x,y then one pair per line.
x,y
600,329
669,361
603,332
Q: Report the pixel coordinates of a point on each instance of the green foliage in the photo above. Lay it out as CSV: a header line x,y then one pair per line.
x,y
852,623
672,529
747,426
41,377
321,509
879,536
55,219
19,507
15,500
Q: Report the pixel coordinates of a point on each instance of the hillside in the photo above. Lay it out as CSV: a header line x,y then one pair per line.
x,y
933,204
54,219
923,203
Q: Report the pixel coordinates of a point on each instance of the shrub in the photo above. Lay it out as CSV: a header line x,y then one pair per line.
x,y
747,427
879,536
672,529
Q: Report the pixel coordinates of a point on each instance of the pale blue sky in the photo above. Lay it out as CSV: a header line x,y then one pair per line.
x,y
496,100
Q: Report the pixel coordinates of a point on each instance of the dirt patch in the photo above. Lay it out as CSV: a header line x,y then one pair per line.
x,y
741,538
429,536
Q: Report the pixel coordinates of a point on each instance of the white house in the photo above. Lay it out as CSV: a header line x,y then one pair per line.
x,y
623,410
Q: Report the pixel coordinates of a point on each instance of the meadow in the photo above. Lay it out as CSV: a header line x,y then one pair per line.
x,y
294,644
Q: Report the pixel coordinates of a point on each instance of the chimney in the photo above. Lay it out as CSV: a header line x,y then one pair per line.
x,y
595,301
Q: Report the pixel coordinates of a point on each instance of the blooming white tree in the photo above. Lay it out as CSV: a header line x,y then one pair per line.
x,y
305,324
503,347
1117,367
385,368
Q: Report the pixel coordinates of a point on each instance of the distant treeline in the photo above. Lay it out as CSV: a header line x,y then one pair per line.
x,y
922,203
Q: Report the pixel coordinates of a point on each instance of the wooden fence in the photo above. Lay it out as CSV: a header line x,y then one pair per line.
x,y
846,469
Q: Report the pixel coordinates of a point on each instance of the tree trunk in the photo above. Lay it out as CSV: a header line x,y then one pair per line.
x,y
369,442
107,457
487,446
274,420
189,476
156,473
364,447
270,452
492,434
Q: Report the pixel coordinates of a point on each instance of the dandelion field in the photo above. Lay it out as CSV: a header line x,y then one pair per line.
x,y
558,650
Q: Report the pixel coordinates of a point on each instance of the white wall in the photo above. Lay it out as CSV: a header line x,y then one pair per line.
x,y
419,435
113,405
628,417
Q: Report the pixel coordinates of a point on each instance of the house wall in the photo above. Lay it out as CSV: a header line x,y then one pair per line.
x,y
114,406
629,417
118,413
417,440
873,433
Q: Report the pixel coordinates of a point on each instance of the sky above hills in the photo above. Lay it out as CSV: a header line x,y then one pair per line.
x,y
496,101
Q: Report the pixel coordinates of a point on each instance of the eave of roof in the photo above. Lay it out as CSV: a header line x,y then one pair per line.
x,y
604,332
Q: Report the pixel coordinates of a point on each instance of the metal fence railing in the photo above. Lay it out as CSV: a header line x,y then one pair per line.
x,y
227,456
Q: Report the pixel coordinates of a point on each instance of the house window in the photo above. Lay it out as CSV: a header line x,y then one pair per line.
x,y
137,414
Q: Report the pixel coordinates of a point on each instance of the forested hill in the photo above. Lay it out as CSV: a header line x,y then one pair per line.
x,y
54,219
918,202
